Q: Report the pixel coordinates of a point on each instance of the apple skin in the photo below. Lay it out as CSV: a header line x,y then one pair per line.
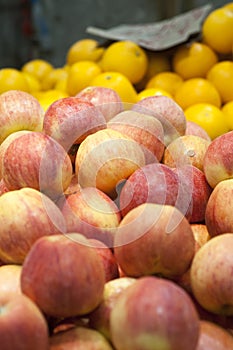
x,y
200,233
154,313
70,119
113,158
218,160
108,259
154,183
213,337
74,282
144,129
105,99
167,111
218,215
211,275
5,144
99,318
10,280
80,338
195,129
36,160
186,150
3,187
19,110
22,325
195,181
148,242
92,213
25,216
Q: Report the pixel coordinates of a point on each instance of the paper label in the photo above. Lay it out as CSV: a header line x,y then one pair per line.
x,y
159,35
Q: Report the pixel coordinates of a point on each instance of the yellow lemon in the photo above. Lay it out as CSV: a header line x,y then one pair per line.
x,y
125,57
209,117
12,79
84,49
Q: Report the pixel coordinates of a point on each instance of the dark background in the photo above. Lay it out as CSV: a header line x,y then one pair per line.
x,y
47,28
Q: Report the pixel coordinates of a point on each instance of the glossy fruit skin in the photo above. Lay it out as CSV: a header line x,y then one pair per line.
x,y
217,30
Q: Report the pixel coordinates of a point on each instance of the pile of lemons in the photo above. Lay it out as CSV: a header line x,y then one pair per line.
x,y
197,75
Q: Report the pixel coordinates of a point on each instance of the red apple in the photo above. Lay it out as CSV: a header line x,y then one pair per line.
x,y
154,313
19,110
63,275
213,337
167,111
70,119
218,160
105,158
218,215
3,187
99,319
80,338
107,257
105,99
92,213
154,239
154,183
195,181
36,160
144,129
193,128
210,274
22,325
186,150
10,280
25,216
5,144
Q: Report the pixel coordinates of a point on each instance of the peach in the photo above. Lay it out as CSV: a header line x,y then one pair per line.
x,y
213,337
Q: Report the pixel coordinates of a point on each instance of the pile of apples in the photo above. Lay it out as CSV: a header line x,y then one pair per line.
x,y
116,227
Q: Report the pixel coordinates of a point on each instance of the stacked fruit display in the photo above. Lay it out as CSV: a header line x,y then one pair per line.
x,y
116,171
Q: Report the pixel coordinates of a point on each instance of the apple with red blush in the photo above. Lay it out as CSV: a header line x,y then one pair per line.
x,y
73,284
214,337
25,216
167,111
210,274
154,183
70,119
144,129
36,160
218,160
107,257
193,128
154,239
218,215
22,324
105,158
92,213
193,180
154,313
107,100
99,318
19,110
79,337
